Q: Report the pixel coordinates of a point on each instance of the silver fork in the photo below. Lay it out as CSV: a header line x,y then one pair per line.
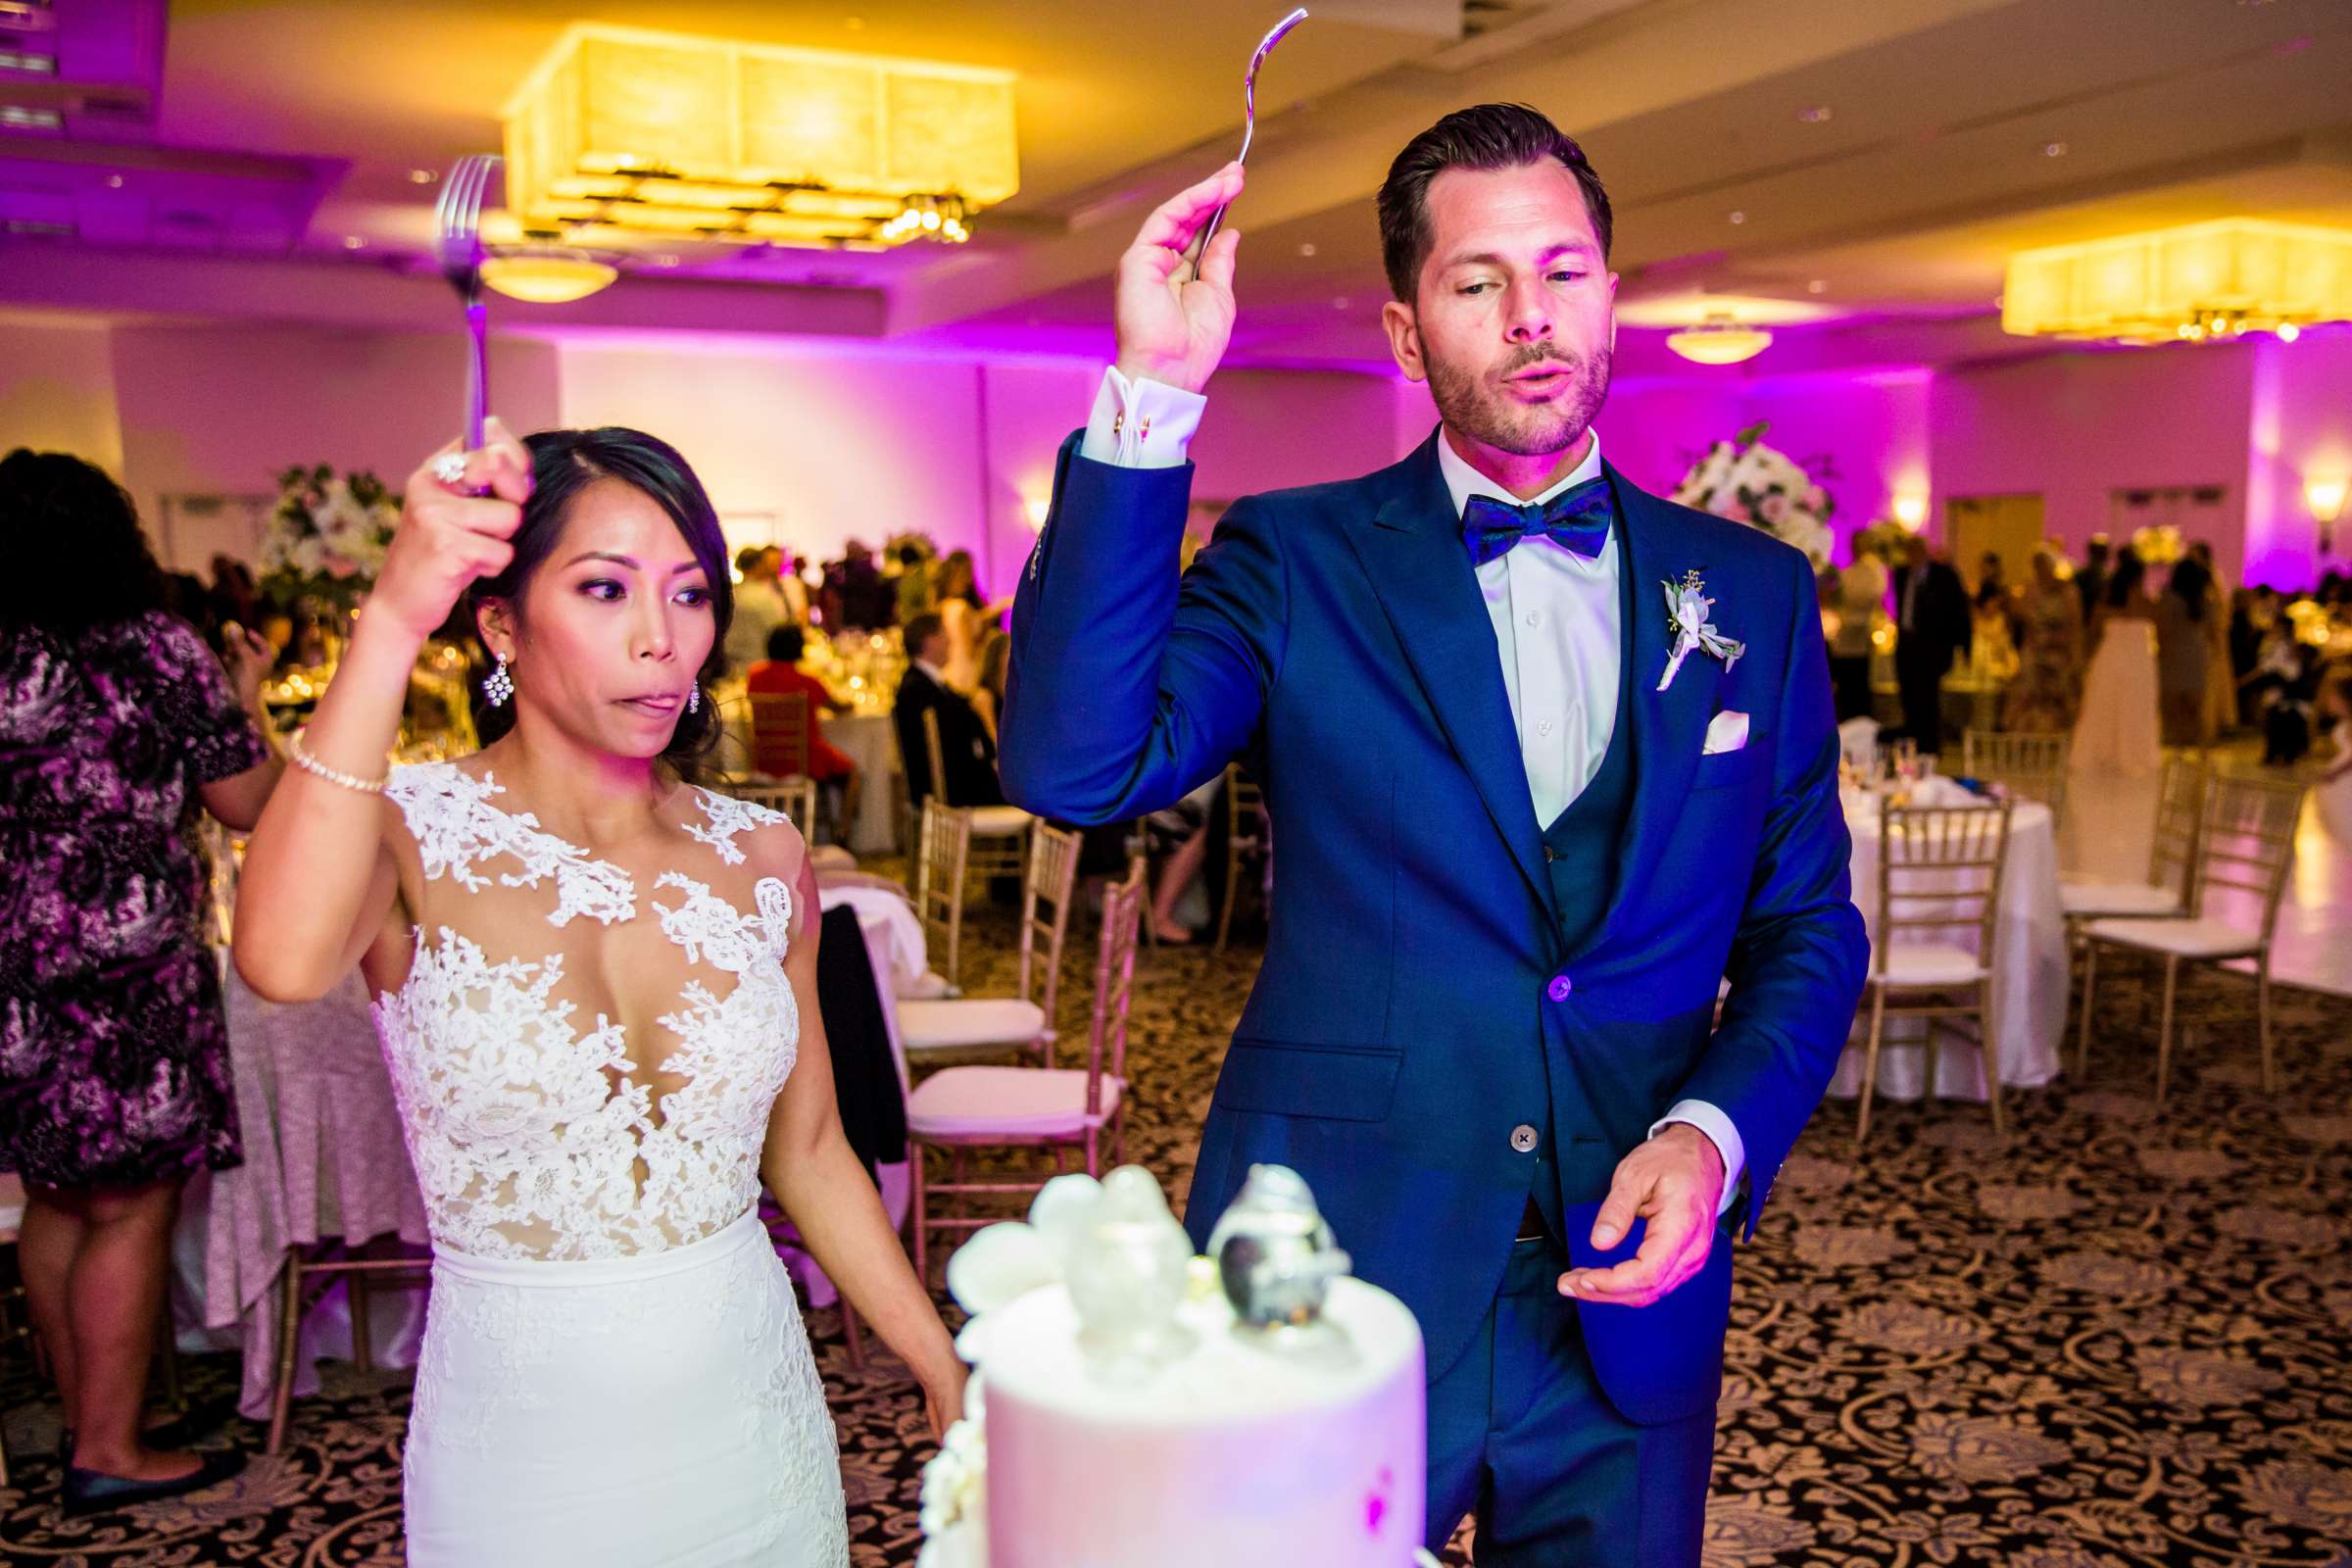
x,y
457,247
1266,46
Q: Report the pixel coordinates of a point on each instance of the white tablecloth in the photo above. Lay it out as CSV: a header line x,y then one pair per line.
x,y
866,740
2029,983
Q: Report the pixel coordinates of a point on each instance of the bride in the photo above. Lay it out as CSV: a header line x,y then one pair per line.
x,y
596,988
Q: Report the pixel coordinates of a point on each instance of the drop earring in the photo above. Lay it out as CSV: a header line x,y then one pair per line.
x,y
498,686
694,698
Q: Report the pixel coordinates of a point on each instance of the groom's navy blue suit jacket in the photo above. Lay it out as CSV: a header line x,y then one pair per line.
x,y
1408,1016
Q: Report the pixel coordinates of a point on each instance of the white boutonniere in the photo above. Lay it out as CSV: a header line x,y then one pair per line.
x,y
1687,606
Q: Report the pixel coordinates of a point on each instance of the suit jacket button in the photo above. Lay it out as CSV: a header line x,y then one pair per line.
x,y
1523,1139
1559,988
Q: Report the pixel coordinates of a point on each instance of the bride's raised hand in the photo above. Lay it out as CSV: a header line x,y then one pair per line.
x,y
455,525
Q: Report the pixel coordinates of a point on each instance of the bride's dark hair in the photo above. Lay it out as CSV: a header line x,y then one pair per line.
x,y
564,463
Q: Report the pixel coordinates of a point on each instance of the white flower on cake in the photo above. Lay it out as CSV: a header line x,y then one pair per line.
x,y
1138,1416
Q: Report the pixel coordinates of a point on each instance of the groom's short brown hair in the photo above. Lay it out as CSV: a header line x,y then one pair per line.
x,y
1483,136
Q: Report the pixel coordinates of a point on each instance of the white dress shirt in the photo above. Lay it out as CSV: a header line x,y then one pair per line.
x,y
1557,620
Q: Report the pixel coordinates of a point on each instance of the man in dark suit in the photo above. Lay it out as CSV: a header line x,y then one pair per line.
x,y
1932,622
969,757
2090,578
1529,818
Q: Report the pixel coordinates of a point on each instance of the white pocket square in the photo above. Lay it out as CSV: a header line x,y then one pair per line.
x,y
1726,731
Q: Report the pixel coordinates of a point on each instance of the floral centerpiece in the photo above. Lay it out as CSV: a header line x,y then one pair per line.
x,y
1749,482
327,537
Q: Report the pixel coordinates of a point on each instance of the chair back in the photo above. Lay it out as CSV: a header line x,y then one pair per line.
x,y
2246,843
1045,894
781,733
2180,818
796,798
1115,985
943,855
2031,764
935,754
1246,806
1939,874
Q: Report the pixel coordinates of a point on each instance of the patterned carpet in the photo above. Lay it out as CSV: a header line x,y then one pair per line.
x,y
2123,1338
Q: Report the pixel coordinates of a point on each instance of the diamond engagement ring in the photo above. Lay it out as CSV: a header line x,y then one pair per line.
x,y
449,470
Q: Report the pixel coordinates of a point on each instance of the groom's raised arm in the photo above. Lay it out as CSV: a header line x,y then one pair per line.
x,y
1129,685
1800,954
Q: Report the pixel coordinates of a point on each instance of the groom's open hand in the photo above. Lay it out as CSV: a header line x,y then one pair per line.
x,y
1675,1183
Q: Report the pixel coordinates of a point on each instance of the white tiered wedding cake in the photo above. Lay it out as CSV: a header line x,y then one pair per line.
x,y
1133,1410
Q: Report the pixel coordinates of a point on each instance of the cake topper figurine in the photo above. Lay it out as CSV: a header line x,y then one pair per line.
x,y
1274,1252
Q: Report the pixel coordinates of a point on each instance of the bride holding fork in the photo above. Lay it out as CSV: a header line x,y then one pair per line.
x,y
595,989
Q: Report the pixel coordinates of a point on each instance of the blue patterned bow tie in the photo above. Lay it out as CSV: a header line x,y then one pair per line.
x,y
1578,518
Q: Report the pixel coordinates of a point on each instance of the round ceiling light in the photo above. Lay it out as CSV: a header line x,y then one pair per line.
x,y
1719,340
547,276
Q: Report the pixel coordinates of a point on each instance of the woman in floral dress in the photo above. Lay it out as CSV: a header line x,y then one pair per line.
x,y
116,722
2049,689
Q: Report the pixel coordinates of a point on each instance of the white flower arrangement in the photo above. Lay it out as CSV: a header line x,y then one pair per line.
x,y
1749,482
327,536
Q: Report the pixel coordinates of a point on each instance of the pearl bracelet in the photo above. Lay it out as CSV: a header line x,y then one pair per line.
x,y
310,765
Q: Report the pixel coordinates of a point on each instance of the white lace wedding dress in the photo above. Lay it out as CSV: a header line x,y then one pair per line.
x,y
614,1370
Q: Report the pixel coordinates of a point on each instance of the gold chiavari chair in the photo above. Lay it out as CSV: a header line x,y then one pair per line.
x,y
1939,880
1026,1020
1056,1111
999,833
1249,833
795,797
942,852
780,733
2171,859
2246,845
2031,765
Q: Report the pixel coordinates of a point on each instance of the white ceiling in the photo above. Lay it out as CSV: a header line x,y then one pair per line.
x,y
1885,223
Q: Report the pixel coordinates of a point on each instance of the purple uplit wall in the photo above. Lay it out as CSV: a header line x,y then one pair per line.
x,y
819,441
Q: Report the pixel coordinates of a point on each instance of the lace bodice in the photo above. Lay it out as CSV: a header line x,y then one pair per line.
x,y
536,1131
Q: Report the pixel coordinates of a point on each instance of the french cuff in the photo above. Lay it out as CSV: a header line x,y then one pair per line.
x,y
1141,423
1722,1134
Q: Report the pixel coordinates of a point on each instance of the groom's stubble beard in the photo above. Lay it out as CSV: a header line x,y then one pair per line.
x,y
1478,406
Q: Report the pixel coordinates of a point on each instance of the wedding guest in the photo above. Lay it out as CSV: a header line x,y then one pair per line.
x,y
759,606
967,753
2117,732
1933,624
857,595
988,698
115,723
2220,680
917,590
967,616
2048,691
236,599
796,591
1992,646
2280,689
2090,578
779,673
2184,615
1861,604
2332,797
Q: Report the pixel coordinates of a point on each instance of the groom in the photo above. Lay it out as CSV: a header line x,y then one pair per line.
x,y
1527,823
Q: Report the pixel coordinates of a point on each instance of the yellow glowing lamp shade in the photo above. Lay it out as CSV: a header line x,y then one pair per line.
x,y
1911,511
547,277
2196,283
707,131
1719,340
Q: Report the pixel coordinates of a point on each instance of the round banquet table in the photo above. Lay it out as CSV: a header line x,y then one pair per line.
x,y
2030,978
